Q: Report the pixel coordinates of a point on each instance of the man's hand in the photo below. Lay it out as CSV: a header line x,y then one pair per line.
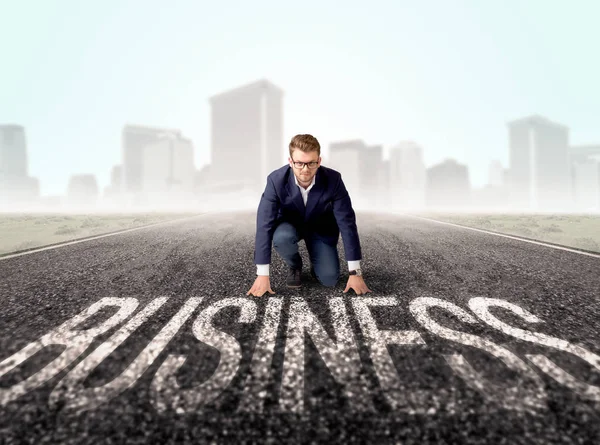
x,y
261,285
358,284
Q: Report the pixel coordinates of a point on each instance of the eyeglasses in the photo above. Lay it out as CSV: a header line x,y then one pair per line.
x,y
300,165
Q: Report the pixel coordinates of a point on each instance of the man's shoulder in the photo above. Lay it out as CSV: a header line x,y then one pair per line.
x,y
329,172
280,175
330,176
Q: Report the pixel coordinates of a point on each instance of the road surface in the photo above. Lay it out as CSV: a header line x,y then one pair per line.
x,y
148,337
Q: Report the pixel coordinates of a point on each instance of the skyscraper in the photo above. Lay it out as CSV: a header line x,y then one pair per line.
x,y
584,152
246,135
539,164
495,174
346,157
448,185
13,152
363,171
112,192
82,191
407,176
585,176
494,194
16,187
168,169
134,139
374,176
156,161
116,178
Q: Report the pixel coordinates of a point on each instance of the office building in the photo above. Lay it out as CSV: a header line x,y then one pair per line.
x,y
246,136
407,176
539,164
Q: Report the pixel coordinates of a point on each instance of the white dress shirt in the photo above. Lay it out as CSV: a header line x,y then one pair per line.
x,y
263,269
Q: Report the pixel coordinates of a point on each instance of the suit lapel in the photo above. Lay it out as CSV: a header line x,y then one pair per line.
x,y
294,192
315,193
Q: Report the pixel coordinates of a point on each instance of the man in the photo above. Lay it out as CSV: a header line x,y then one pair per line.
x,y
304,200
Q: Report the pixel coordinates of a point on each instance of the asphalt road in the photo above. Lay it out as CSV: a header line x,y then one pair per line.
x,y
148,337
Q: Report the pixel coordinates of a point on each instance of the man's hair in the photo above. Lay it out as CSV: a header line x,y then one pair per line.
x,y
305,143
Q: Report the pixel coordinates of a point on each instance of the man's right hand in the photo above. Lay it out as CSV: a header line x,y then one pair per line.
x,y
261,285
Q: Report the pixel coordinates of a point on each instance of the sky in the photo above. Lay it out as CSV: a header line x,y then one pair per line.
x,y
446,74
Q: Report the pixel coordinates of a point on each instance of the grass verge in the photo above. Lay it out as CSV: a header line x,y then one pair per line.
x,y
570,230
20,232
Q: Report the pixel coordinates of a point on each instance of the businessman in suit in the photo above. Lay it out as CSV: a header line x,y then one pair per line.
x,y
305,200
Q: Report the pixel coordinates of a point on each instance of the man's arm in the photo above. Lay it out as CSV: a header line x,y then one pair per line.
x,y
265,227
346,221
353,265
262,270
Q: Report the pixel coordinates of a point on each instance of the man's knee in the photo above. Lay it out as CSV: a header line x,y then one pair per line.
x,y
329,279
285,233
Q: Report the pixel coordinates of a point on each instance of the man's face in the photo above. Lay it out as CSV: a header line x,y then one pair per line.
x,y
306,173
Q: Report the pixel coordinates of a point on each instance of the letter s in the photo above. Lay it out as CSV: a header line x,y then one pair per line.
x,y
480,306
527,395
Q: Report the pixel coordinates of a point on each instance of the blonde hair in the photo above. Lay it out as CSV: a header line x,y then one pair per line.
x,y
305,143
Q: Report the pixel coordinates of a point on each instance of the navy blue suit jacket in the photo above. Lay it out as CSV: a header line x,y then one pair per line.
x,y
328,212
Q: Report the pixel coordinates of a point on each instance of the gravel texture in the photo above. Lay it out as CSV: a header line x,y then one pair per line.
x,y
302,365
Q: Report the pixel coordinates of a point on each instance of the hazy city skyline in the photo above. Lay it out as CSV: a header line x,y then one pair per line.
x,y
446,75
158,169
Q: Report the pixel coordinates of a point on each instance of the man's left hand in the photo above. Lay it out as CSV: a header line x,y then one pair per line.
x,y
358,284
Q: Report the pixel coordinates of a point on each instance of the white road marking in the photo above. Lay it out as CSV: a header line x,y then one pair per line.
x,y
400,398
259,375
68,243
76,341
71,388
165,390
480,306
341,356
540,243
527,395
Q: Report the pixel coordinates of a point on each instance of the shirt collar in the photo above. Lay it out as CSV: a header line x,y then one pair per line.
x,y
309,187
